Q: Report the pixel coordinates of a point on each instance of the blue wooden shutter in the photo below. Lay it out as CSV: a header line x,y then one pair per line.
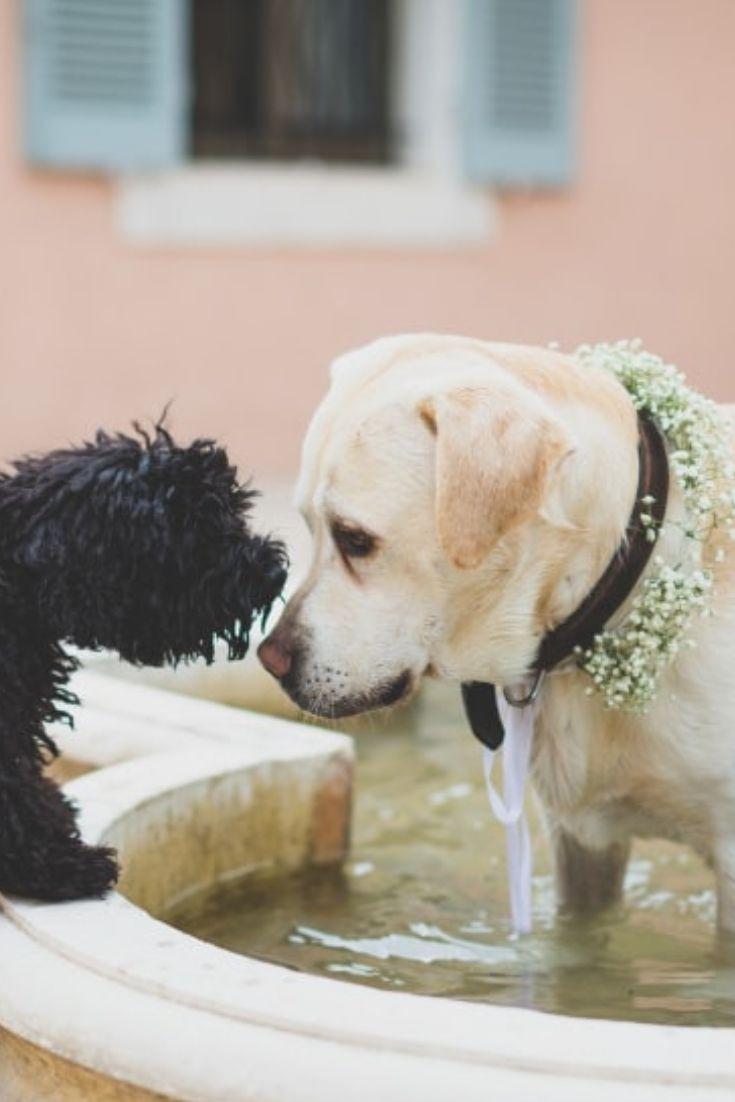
x,y
105,82
518,77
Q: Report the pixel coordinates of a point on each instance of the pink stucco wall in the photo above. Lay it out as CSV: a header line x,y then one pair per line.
x,y
93,330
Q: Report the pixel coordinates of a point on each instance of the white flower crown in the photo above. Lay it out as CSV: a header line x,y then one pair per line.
x,y
626,663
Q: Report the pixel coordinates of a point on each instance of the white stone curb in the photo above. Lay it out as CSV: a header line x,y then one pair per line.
x,y
107,986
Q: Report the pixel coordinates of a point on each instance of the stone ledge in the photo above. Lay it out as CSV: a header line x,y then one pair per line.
x,y
105,985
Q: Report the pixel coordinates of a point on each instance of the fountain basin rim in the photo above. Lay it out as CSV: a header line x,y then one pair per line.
x,y
117,940
135,977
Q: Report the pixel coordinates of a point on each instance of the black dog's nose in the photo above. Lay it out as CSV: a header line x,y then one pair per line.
x,y
275,656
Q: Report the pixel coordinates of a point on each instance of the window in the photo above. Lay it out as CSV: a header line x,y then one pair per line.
x,y
109,84
324,122
288,79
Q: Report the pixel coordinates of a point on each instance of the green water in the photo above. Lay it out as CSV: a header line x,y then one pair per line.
x,y
421,905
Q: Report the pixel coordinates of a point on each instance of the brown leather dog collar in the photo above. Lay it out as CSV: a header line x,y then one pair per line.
x,y
615,585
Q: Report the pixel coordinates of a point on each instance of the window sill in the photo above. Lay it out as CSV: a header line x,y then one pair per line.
x,y
302,205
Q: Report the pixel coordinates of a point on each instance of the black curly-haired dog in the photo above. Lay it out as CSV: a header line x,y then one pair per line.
x,y
132,544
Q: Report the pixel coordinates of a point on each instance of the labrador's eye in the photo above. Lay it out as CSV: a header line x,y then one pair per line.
x,y
353,543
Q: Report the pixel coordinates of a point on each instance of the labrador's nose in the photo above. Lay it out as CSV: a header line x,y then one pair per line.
x,y
275,656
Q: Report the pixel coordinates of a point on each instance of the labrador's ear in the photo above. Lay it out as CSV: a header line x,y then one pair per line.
x,y
493,458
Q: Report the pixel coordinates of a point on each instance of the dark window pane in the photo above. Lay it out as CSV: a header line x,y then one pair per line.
x,y
226,37
291,78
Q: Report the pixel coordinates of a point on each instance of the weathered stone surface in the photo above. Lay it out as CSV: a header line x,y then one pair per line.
x,y
331,813
32,1074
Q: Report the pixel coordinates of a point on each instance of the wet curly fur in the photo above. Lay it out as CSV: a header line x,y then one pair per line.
x,y
129,543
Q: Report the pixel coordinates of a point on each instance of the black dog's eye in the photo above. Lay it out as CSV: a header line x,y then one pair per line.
x,y
353,543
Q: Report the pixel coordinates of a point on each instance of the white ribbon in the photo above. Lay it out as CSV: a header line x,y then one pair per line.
x,y
508,809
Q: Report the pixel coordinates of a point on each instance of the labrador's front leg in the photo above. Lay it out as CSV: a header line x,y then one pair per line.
x,y
588,880
723,862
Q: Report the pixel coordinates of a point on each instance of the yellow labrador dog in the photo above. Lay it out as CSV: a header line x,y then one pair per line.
x,y
464,498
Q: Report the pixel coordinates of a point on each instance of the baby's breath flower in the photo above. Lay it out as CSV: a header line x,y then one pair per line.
x,y
625,665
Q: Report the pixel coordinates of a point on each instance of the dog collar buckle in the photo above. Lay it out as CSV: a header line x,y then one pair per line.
x,y
532,689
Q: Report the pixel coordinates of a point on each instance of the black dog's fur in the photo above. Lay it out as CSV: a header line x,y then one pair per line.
x,y
132,544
